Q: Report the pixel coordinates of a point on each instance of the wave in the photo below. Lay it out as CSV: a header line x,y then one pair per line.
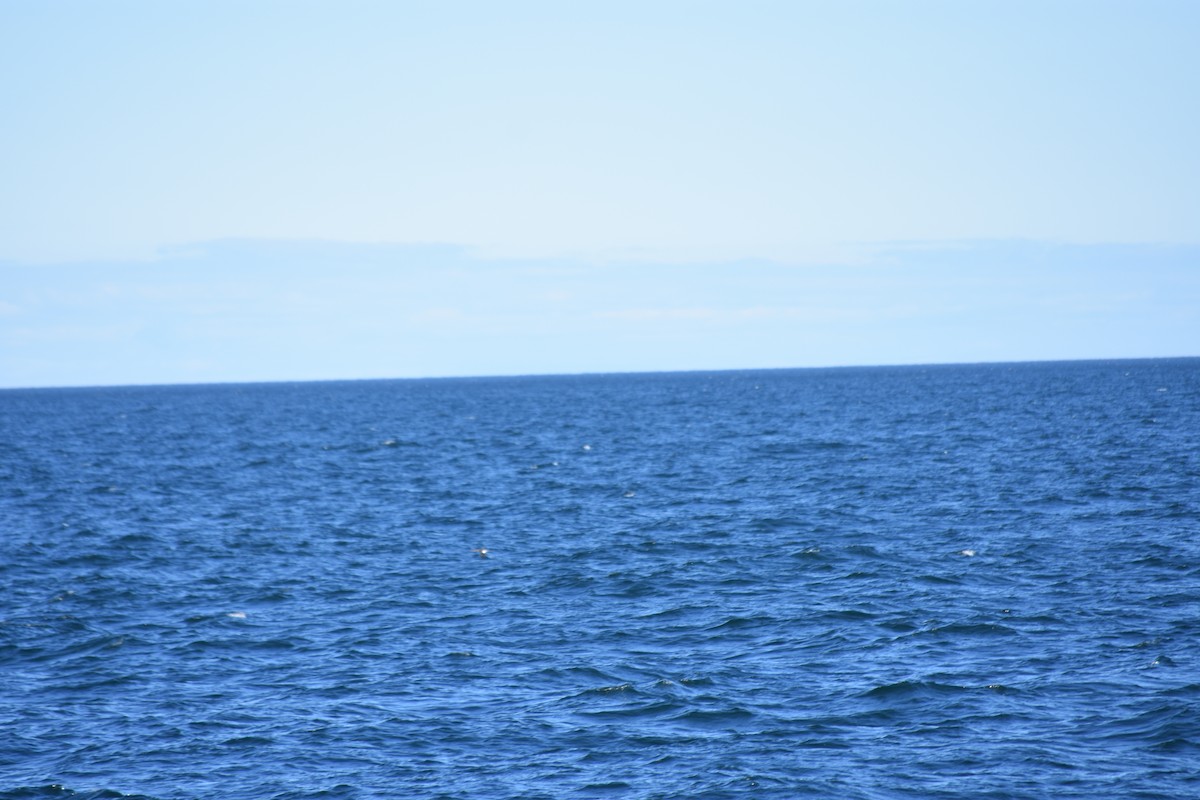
x,y
54,791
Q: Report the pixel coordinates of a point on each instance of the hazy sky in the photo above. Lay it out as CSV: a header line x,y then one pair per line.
x,y
254,190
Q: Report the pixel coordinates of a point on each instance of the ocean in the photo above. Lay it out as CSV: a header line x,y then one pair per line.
x,y
892,582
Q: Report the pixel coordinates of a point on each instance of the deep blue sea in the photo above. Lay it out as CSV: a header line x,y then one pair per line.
x,y
904,582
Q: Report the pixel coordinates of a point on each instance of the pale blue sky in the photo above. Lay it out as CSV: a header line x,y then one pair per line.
x,y
196,191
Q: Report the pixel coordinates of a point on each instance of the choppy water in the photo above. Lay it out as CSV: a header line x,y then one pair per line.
x,y
921,582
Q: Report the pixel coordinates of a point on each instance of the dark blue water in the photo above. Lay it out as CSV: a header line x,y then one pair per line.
x,y
920,582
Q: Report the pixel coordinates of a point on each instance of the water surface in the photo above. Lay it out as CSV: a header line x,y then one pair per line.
x,y
913,582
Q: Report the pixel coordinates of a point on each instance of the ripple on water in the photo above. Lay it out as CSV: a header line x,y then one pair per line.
x,y
877,583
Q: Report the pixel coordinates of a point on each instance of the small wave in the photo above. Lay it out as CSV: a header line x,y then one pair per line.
x,y
673,612
55,791
51,650
1000,688
656,708
971,629
847,615
136,538
604,690
715,718
249,741
577,675
940,580
906,689
737,623
701,681
1170,726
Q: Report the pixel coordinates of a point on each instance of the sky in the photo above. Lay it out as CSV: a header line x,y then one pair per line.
x,y
253,190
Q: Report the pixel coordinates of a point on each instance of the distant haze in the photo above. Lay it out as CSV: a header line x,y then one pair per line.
x,y
249,311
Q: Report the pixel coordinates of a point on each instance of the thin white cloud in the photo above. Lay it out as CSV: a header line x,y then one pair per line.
x,y
438,316
807,314
68,333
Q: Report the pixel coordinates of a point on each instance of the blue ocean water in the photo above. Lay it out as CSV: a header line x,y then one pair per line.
x,y
910,582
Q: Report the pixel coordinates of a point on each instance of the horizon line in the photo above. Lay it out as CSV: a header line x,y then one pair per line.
x,y
616,373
